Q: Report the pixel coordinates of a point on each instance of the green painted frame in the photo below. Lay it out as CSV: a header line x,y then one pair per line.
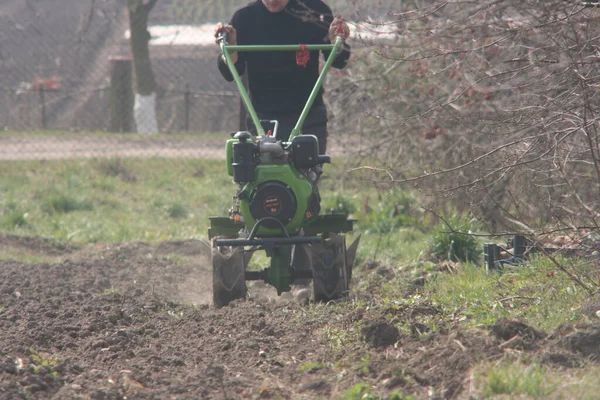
x,y
226,51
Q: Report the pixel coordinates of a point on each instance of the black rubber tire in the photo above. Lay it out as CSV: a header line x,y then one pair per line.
x,y
331,280
229,275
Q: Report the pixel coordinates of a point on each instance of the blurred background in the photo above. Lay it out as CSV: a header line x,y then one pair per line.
x,y
487,109
67,66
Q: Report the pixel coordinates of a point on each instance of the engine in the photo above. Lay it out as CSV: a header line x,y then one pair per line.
x,y
277,181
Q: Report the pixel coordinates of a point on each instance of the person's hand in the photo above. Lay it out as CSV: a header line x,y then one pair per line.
x,y
231,38
338,27
229,30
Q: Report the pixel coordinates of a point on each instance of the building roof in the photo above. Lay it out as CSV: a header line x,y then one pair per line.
x,y
203,35
181,35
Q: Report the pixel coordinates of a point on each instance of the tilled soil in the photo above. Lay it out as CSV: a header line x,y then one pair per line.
x,y
134,321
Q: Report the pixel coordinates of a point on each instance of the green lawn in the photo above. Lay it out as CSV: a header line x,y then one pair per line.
x,y
112,200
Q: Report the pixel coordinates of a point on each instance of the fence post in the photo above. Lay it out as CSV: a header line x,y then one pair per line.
x,y
519,246
186,126
491,254
121,94
42,94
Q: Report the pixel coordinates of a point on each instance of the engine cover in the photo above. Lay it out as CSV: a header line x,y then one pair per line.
x,y
278,191
273,199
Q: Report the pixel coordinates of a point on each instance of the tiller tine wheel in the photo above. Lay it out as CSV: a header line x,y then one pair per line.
x,y
331,279
229,268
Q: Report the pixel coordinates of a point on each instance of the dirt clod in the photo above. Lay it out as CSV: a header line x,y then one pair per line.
x,y
518,332
380,334
585,340
318,385
394,382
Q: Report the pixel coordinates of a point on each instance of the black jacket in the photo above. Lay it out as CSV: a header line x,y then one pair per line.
x,y
278,85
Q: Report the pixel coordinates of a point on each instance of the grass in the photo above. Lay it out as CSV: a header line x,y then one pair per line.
x,y
511,379
115,200
340,338
43,361
451,241
28,257
313,365
362,391
122,200
534,292
514,379
385,218
405,244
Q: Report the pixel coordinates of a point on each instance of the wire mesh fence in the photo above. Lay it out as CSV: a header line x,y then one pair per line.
x,y
66,71
182,105
66,66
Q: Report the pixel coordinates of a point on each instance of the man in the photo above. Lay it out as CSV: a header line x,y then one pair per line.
x,y
281,82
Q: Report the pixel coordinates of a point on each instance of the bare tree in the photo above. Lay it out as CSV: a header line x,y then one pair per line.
x,y
489,108
491,104
144,82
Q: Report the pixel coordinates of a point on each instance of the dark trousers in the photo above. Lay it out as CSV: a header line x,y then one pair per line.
x,y
315,124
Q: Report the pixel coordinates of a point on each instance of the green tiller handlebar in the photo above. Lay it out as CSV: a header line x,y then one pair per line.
x,y
228,49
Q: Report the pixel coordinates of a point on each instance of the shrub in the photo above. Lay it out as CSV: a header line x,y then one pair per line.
x,y
392,211
339,203
62,203
116,167
178,211
454,242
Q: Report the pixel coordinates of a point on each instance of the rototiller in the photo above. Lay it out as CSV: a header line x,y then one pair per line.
x,y
274,206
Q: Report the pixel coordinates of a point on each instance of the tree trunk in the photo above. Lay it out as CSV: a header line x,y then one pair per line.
x,y
144,83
